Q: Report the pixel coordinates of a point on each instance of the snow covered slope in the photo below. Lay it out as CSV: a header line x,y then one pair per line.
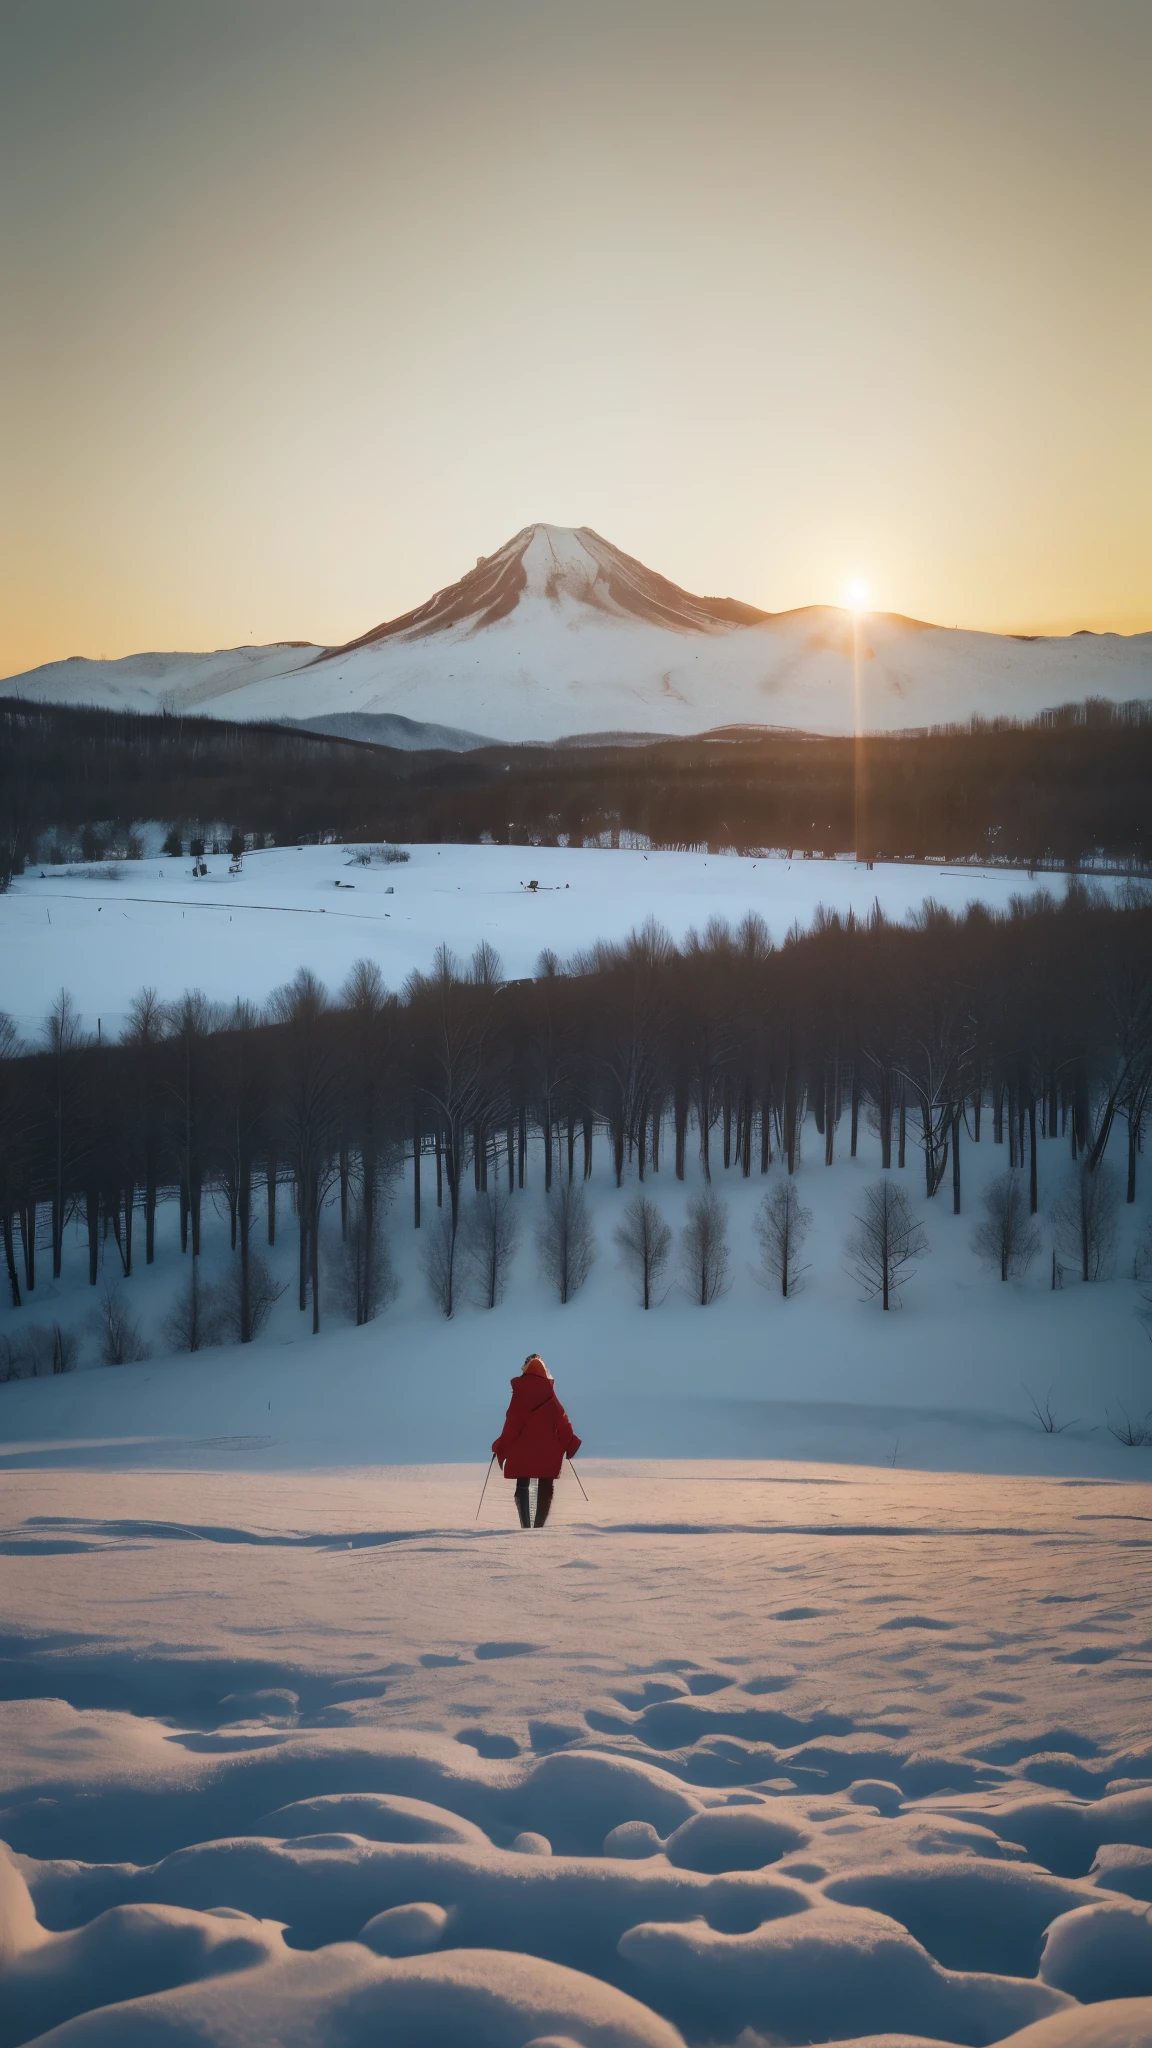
x,y
162,682
559,632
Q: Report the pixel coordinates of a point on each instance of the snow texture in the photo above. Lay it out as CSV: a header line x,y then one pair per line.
x,y
318,1758
561,633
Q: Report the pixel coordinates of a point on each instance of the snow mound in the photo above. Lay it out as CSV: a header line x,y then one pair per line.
x,y
1121,2023
349,1997
1098,1952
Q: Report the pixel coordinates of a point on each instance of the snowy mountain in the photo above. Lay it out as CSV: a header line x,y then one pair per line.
x,y
560,633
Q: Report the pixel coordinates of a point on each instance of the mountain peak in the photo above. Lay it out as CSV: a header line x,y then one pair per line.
x,y
571,568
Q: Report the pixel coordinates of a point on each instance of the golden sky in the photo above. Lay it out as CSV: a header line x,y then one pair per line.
x,y
307,305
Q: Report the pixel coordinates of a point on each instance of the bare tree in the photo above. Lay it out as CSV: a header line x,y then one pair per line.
x,y
63,1037
246,1299
645,1241
1084,1220
195,1319
1007,1237
362,1265
486,969
1046,1415
1130,1430
39,1351
564,1239
439,1256
489,1227
310,1082
704,1248
781,1225
889,1236
13,1128
117,1333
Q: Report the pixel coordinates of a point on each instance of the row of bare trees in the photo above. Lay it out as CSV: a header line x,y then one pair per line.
x,y
1035,1023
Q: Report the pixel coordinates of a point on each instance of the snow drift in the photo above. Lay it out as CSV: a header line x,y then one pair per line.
x,y
290,1781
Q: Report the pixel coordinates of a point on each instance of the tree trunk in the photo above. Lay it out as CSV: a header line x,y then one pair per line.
x,y
244,1214
10,1258
522,1146
790,1119
1033,1191
58,1191
680,1120
129,1207
302,1221
956,1159
270,1196
92,1208
884,1114
588,1145
415,1171
28,1238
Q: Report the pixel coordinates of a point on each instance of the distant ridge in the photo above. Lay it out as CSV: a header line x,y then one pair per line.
x,y
389,729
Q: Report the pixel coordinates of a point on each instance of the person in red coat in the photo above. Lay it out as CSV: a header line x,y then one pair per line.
x,y
535,1440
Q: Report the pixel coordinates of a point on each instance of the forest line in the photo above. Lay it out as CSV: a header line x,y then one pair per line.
x,y
1067,790
1037,1022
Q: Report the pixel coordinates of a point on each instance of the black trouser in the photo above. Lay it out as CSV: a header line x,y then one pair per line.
x,y
543,1501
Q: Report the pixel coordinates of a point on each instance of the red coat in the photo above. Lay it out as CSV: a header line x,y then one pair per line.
x,y
537,1434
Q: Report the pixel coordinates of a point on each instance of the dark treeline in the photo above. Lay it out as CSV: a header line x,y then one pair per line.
x,y
939,1033
1071,786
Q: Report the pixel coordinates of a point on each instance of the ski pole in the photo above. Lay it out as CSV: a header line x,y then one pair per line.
x,y
577,1478
484,1488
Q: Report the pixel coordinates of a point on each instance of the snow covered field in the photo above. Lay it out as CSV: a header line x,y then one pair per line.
x,y
243,935
751,1752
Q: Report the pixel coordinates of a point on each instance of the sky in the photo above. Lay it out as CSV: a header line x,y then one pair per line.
x,y
306,306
